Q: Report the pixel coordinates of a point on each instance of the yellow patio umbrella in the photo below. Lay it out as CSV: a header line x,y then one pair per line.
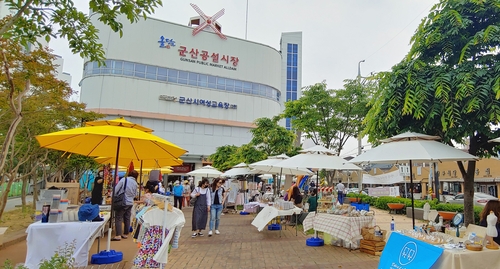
x,y
164,170
119,122
119,141
111,141
147,163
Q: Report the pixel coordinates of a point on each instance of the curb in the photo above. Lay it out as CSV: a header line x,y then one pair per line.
x,y
13,238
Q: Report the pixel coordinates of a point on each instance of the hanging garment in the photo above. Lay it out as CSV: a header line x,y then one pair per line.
x,y
150,245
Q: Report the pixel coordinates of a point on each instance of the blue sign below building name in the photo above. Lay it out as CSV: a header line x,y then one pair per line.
x,y
208,103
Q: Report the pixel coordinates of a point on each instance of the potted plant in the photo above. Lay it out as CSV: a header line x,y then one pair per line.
x,y
358,202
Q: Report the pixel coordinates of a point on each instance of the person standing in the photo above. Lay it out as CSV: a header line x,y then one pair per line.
x,y
217,195
201,207
340,192
296,196
313,201
122,215
186,193
178,191
97,190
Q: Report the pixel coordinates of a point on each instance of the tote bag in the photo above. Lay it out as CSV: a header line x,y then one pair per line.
x,y
119,200
192,201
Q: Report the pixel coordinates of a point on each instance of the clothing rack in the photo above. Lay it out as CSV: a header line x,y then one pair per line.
x,y
163,199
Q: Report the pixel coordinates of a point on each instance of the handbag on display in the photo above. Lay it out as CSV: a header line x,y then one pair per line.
x,y
119,200
192,201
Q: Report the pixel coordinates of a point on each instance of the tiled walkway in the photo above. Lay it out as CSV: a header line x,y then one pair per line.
x,y
240,245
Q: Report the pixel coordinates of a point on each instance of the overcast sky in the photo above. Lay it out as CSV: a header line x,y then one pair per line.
x,y
336,34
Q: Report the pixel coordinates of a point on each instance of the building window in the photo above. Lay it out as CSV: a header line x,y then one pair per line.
x,y
156,73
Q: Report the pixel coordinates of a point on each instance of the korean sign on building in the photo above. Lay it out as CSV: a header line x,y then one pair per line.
x,y
200,56
198,102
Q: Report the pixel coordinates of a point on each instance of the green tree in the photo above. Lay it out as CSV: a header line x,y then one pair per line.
x,y
34,19
248,154
448,84
48,19
271,138
221,159
30,91
330,117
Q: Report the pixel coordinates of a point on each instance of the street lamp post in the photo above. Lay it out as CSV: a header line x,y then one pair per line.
x,y
359,77
359,68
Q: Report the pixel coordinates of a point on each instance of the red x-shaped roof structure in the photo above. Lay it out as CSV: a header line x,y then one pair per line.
x,y
209,21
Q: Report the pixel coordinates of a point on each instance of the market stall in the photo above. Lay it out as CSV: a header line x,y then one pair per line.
x,y
45,239
267,214
347,228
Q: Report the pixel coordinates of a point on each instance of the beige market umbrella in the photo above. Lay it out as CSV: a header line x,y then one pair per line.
x,y
408,147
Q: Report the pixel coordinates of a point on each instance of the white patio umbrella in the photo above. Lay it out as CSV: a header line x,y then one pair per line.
x,y
268,166
205,171
239,170
408,147
317,157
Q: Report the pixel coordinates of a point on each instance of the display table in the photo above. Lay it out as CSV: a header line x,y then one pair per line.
x,y
44,240
268,213
341,227
464,259
252,207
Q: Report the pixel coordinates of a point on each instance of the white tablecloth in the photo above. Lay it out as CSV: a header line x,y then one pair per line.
x,y
44,239
268,213
341,227
460,259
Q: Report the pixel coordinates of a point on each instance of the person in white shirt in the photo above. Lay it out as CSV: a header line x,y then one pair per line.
x,y
340,192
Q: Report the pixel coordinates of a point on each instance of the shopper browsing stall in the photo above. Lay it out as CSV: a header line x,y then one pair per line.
x,y
217,195
313,201
127,185
201,207
296,197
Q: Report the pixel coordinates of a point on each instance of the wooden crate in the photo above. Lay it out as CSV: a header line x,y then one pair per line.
x,y
371,252
372,247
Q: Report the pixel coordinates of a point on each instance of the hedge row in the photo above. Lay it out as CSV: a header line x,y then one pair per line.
x,y
381,203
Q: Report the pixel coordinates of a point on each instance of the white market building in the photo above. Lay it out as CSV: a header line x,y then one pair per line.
x,y
198,91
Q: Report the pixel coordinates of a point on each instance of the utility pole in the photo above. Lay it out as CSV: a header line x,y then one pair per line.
x,y
360,146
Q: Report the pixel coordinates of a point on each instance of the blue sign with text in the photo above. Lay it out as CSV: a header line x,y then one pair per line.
x,y
403,252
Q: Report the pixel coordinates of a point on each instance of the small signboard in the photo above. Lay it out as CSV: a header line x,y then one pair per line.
x,y
403,252
404,170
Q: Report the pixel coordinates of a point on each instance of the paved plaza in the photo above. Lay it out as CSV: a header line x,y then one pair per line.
x,y
240,245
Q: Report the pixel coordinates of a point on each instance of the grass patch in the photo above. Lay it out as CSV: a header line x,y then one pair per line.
x,y
17,219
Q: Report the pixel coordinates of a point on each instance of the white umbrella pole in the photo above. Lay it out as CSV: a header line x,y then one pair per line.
x,y
412,200
279,183
317,192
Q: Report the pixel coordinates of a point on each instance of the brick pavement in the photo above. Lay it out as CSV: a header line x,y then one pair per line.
x,y
240,245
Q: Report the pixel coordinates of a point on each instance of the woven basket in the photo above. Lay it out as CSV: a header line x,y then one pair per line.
x,y
373,233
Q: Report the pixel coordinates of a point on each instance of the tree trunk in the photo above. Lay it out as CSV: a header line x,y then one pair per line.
x,y
23,191
469,193
3,197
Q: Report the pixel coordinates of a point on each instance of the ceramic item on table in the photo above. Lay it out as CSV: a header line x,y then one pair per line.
x,y
65,216
53,215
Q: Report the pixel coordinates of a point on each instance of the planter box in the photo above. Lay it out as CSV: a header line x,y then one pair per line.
x,y
419,213
361,206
